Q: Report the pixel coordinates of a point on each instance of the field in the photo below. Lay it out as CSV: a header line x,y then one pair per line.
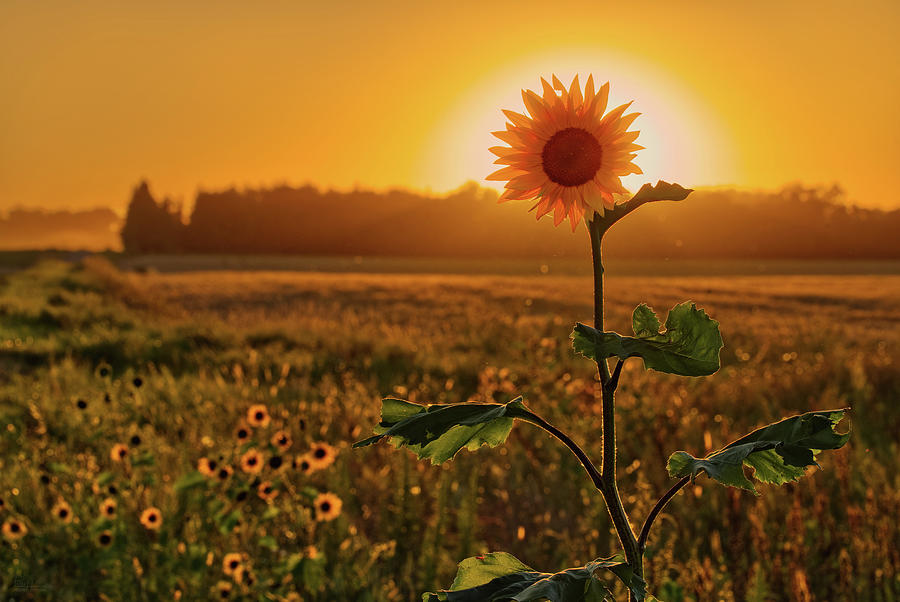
x,y
167,364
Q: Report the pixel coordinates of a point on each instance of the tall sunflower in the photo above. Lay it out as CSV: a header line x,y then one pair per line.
x,y
569,154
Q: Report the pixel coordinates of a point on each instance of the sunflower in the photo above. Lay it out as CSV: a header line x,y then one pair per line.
x,y
328,506
242,433
62,511
207,467
266,491
223,589
108,508
258,415
119,452
567,155
304,464
105,538
252,462
2,503
281,440
224,473
231,563
151,518
14,529
322,455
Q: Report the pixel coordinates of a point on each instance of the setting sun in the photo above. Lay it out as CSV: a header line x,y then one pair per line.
x,y
677,131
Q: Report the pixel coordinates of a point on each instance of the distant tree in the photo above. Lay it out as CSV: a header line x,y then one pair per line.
x,y
152,227
796,222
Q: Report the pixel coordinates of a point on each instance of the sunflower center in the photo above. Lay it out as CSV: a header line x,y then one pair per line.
x,y
572,157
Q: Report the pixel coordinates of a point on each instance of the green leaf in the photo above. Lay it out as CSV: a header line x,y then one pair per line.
x,y
189,481
500,577
268,542
59,468
439,431
145,459
661,191
644,321
778,453
689,346
105,478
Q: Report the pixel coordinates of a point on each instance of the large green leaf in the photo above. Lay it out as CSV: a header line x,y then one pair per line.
x,y
778,453
661,191
500,577
438,431
689,345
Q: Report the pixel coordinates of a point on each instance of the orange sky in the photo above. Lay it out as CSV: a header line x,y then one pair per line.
x,y
98,94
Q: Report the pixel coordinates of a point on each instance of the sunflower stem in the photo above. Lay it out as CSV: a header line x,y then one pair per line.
x,y
608,485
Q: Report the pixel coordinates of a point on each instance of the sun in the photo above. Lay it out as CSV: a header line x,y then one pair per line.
x,y
684,141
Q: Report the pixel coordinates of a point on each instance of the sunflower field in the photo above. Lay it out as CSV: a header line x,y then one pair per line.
x,y
186,436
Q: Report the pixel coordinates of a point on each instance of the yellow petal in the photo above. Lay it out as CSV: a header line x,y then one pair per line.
x,y
507,173
503,151
517,118
575,98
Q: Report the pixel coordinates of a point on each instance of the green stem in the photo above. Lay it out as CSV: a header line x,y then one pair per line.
x,y
609,487
573,447
645,530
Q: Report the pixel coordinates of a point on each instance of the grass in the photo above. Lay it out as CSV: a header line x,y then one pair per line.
x,y
176,359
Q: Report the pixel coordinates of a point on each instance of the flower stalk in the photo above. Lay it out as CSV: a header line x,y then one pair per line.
x,y
608,484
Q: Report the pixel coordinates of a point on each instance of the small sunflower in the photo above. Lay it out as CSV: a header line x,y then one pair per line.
x,y
108,508
328,507
266,491
242,433
252,462
62,512
13,529
207,467
276,462
152,518
223,590
224,473
105,538
322,455
311,552
231,563
281,440
119,452
258,415
567,155
2,504
304,464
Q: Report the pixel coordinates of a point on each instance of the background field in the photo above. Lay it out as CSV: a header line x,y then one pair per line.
x,y
321,349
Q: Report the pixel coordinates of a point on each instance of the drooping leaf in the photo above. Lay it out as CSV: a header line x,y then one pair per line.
x,y
439,431
661,191
778,453
688,346
500,577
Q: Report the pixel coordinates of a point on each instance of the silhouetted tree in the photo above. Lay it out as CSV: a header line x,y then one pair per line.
x,y
152,227
794,223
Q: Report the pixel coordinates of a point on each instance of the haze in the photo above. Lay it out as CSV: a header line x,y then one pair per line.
x,y
99,94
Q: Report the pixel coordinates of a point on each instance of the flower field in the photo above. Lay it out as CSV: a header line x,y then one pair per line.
x,y
187,435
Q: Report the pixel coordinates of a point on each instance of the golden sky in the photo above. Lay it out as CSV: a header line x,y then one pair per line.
x,y
98,94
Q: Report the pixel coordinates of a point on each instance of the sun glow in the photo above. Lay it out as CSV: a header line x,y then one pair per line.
x,y
684,141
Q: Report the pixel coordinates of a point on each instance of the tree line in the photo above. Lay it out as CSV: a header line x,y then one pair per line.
x,y
795,222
